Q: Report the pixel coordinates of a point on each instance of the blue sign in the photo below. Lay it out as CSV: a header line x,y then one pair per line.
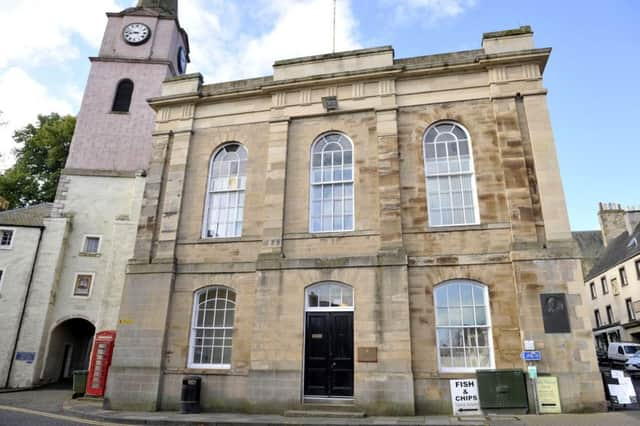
x,y
28,357
531,355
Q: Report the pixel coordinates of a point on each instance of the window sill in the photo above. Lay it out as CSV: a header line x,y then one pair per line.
x,y
471,227
88,254
307,235
212,240
6,247
205,371
119,112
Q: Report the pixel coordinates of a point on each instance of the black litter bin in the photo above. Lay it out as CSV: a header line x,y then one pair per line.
x,y
190,397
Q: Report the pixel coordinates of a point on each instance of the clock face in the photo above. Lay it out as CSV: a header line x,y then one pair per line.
x,y
136,33
182,60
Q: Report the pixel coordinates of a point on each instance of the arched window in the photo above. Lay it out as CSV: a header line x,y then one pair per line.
x,y
122,100
463,325
212,328
329,295
225,194
331,184
448,164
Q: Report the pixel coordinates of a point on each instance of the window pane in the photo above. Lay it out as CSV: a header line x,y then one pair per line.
x,y
484,358
467,316
453,294
457,357
91,244
478,296
455,316
348,222
466,292
441,297
483,336
442,316
445,357
443,337
457,337
471,355
348,159
481,318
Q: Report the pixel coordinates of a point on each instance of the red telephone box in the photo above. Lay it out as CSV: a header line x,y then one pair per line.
x,y
100,362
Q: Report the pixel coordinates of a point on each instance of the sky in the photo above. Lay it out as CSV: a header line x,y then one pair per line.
x,y
592,76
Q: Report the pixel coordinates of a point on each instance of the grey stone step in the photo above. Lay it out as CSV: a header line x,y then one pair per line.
x,y
325,413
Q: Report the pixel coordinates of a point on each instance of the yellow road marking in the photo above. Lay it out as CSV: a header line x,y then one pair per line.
x,y
56,416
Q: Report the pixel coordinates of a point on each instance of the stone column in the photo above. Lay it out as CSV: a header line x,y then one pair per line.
x,y
516,179
135,376
554,207
275,189
389,180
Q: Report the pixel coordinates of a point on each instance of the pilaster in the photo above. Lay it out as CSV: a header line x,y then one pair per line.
x,y
275,188
389,179
516,181
552,199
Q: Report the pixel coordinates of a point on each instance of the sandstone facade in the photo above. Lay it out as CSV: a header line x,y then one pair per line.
x,y
392,259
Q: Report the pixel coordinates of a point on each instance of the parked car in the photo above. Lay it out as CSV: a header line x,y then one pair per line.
x,y
633,363
619,352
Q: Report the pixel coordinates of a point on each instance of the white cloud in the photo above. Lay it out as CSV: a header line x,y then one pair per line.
x,y
39,35
40,31
223,49
429,11
21,100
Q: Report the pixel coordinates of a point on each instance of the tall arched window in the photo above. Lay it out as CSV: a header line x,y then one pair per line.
x,y
122,100
463,326
212,328
225,195
448,164
331,184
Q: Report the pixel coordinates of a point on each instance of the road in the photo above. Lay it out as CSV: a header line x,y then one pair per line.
x,y
38,407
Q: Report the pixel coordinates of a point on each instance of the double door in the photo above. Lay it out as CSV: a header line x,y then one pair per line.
x,y
329,354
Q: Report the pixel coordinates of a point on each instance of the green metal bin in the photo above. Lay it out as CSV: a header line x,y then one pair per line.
x,y
503,390
79,382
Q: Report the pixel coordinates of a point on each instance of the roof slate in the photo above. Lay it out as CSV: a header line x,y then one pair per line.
x,y
26,216
617,251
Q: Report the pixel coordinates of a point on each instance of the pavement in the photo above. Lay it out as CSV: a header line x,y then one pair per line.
x,y
54,406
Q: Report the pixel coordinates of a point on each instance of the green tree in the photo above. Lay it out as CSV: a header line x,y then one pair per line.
x,y
40,157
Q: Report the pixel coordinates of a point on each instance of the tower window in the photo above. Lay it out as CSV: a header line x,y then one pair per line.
x,y
122,100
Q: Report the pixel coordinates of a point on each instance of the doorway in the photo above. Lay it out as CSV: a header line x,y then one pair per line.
x,y
69,350
328,359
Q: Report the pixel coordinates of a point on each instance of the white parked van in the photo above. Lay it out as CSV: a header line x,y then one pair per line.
x,y
621,351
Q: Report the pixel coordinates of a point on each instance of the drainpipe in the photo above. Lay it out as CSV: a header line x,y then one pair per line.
x,y
24,308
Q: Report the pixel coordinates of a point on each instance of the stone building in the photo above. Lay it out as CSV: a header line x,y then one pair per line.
x,y
613,282
355,227
22,233
77,285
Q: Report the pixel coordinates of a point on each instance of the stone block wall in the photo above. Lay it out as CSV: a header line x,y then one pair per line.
x,y
393,259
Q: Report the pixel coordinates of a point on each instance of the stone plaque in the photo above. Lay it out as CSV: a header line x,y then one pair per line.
x,y
368,354
555,313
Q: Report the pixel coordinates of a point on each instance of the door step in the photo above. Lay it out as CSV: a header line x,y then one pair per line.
x,y
315,412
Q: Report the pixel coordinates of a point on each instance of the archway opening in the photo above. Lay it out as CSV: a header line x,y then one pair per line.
x,y
69,350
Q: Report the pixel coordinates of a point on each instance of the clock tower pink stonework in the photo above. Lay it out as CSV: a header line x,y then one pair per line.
x,y
91,233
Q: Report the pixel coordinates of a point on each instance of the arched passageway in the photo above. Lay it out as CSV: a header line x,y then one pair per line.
x,y
69,349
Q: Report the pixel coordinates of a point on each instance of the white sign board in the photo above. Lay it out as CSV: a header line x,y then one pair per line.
x,y
464,397
624,392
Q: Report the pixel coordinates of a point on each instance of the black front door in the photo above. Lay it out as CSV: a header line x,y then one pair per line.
x,y
329,354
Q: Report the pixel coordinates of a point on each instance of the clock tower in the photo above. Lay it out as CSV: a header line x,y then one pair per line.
x,y
92,229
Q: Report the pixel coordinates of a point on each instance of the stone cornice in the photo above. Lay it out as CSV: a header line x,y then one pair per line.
x,y
134,61
480,62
